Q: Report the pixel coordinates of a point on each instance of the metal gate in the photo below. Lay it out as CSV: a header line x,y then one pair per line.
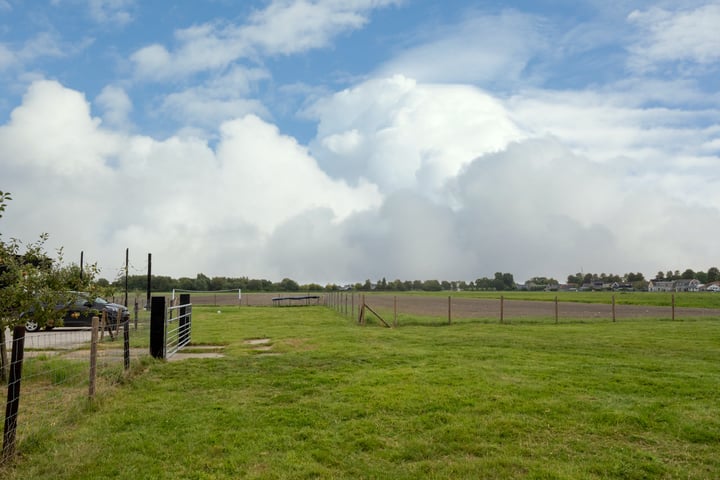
x,y
170,327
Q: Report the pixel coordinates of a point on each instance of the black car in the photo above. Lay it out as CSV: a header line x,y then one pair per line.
x,y
79,313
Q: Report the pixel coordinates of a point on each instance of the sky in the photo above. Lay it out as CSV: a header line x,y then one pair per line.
x,y
334,141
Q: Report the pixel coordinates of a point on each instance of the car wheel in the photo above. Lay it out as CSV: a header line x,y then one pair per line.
x,y
31,326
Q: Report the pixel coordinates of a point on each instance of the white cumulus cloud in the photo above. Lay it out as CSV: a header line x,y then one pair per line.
x,y
399,133
178,198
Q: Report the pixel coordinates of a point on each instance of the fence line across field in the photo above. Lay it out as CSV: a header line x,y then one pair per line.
x,y
502,310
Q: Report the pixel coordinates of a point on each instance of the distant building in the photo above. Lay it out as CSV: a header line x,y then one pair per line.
x,y
661,286
692,285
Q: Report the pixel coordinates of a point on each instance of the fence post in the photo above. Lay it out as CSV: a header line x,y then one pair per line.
x,y
361,314
395,324
157,327
502,309
13,395
556,309
3,357
673,307
126,344
137,312
93,356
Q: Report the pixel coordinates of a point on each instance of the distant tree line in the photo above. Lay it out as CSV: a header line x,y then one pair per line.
x,y
501,281
160,283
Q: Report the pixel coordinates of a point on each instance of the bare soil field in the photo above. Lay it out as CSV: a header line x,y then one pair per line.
x,y
434,306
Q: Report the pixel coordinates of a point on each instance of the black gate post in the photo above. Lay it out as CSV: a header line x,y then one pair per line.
x,y
157,327
184,330
13,397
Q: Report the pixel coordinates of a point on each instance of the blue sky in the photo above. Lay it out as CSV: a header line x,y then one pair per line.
x,y
398,139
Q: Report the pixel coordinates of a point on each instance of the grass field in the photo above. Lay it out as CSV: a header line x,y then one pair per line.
x,y
329,399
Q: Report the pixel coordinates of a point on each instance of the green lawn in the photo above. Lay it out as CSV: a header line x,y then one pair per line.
x,y
637,399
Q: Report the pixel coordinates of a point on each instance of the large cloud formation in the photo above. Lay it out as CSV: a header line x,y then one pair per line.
x,y
403,180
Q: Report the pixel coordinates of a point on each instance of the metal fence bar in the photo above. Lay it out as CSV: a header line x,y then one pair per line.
x,y
178,325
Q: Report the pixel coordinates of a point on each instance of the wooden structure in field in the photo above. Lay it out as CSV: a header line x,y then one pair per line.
x,y
291,301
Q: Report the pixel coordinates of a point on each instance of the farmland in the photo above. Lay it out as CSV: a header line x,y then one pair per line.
x,y
574,306
307,393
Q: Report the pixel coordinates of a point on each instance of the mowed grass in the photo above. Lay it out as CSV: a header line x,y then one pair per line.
x,y
330,399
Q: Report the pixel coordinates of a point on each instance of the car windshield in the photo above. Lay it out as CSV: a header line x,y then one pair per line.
x,y
101,301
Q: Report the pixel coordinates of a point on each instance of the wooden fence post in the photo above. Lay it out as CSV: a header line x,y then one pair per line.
x,y
3,357
395,322
673,307
361,318
13,392
126,344
502,309
93,356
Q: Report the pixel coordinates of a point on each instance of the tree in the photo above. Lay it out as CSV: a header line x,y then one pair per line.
x,y
635,277
30,280
432,286
289,285
713,274
202,282
688,274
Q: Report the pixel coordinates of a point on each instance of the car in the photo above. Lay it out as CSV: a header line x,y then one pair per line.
x,y
79,312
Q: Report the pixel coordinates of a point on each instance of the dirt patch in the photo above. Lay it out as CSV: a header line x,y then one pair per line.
x,y
490,308
262,346
185,356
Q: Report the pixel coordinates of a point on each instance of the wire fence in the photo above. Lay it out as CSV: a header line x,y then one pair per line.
x,y
53,375
405,310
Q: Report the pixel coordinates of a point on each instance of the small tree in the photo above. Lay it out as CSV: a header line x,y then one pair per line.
x,y
713,274
31,281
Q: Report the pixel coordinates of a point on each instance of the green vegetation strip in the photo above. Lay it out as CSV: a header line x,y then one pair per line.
x,y
316,396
